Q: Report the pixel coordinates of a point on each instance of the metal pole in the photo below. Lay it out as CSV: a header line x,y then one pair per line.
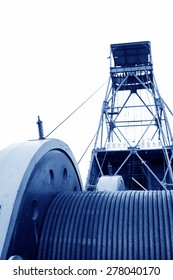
x,y
40,128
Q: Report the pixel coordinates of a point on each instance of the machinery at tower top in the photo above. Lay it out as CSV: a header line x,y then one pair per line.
x,y
134,138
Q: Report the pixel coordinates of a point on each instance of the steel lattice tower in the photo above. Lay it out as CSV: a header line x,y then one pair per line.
x,y
134,121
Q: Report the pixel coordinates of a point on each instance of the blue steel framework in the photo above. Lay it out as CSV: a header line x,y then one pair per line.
x,y
134,135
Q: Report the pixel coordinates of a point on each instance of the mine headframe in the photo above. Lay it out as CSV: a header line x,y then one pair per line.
x,y
134,138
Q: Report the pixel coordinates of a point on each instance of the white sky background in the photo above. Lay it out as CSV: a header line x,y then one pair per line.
x,y
53,56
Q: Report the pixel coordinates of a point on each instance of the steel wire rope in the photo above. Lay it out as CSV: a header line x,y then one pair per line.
x,y
167,230
62,233
108,231
87,228
130,225
161,223
125,217
105,224
87,148
76,109
74,229
96,218
170,205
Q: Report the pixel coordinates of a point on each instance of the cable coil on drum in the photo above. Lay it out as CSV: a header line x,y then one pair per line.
x,y
107,225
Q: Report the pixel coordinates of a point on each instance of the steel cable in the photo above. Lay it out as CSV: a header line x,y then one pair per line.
x,y
103,225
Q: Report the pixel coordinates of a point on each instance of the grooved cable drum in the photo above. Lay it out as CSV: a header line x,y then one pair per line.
x,y
108,225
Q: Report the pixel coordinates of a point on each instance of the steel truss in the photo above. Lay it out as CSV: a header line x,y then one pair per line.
x,y
133,115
